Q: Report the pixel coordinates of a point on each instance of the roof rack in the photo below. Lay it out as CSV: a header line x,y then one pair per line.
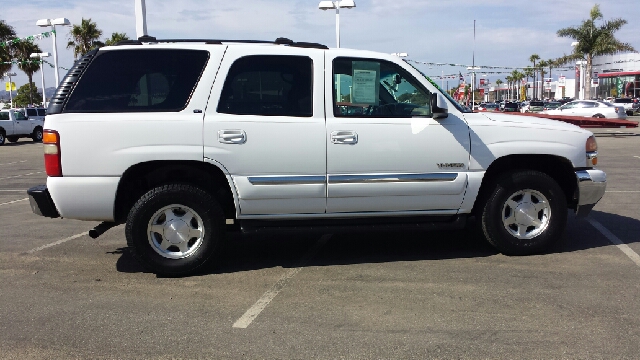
x,y
278,41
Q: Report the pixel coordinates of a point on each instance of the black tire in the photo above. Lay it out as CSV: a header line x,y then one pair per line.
x,y
525,213
179,257
2,137
12,139
37,134
599,116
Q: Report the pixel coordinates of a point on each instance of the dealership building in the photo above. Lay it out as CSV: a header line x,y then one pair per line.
x,y
617,75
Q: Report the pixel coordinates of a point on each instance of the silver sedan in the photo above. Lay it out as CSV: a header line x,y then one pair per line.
x,y
591,108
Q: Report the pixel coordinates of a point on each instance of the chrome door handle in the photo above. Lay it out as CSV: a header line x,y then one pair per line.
x,y
344,137
232,136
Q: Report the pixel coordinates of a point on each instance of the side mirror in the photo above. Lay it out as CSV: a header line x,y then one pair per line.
x,y
439,106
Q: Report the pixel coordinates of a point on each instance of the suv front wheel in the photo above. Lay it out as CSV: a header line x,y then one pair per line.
x,y
175,229
525,213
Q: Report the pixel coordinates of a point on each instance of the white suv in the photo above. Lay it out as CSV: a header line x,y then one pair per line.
x,y
195,138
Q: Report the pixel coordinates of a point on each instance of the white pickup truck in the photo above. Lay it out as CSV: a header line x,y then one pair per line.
x,y
196,138
14,125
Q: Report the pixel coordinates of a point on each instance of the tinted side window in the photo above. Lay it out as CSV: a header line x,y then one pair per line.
x,y
42,112
32,112
4,116
269,85
19,115
138,80
376,88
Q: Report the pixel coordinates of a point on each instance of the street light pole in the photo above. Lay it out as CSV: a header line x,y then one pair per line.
x,y
52,23
10,74
41,56
326,5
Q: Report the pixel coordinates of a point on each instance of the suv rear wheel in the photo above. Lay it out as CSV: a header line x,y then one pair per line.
x,y
175,229
525,213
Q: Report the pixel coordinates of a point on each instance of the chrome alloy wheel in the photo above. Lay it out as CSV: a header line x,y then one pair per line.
x,y
175,231
526,214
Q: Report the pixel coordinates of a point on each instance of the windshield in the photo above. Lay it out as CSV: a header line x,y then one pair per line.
x,y
460,108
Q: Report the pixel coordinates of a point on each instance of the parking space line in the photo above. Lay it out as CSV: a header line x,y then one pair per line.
x,y
16,176
57,242
14,201
15,162
616,241
268,296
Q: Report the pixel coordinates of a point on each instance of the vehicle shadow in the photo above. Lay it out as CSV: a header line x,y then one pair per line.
x,y
260,251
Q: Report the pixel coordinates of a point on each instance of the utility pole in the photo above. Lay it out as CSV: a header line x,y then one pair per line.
x,y
141,18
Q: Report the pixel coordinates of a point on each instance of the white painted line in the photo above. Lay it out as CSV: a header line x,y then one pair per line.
x,y
615,241
17,176
15,162
636,156
14,201
57,242
266,298
621,191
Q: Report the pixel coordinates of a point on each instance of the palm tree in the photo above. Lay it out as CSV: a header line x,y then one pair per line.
x,y
595,40
23,51
509,79
498,83
541,65
84,37
6,33
528,73
116,37
517,78
533,59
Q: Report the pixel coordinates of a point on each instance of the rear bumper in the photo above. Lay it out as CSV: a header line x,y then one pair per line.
x,y
591,187
41,202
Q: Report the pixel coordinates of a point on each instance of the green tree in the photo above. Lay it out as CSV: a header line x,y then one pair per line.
x,y
517,77
528,73
84,37
116,37
595,40
28,65
533,58
6,33
27,92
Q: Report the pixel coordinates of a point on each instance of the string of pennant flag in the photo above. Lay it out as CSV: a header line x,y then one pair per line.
x,y
513,67
27,38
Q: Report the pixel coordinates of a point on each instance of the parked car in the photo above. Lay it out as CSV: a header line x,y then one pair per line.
x,y
34,113
488,107
533,106
552,105
14,125
592,108
510,107
627,103
221,136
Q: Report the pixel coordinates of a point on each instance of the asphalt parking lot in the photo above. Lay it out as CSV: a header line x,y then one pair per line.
x,y
361,296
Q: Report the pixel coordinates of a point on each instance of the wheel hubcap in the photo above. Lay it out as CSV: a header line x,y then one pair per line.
x,y
175,231
526,214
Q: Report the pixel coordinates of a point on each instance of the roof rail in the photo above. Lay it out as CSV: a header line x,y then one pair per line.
x,y
278,41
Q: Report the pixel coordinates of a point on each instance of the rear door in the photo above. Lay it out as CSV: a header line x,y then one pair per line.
x,y
22,124
267,129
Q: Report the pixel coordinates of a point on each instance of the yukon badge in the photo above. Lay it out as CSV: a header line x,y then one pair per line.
x,y
450,165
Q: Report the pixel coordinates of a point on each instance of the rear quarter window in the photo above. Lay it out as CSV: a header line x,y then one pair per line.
x,y
4,116
138,80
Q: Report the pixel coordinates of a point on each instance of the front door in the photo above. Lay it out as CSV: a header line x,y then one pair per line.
x,y
385,152
267,131
22,124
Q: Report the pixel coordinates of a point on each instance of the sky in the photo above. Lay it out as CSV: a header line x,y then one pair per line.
x,y
507,32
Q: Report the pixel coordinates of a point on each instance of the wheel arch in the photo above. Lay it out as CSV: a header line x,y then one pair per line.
x,y
142,177
558,168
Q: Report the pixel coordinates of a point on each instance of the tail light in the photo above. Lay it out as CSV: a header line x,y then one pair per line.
x,y
52,156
